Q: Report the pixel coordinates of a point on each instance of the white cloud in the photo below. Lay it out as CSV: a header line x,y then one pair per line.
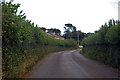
x,y
86,15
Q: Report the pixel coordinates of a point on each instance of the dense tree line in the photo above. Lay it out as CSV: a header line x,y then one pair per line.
x,y
108,34
23,44
104,44
71,33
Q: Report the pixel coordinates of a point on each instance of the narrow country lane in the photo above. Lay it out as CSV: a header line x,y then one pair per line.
x,y
71,64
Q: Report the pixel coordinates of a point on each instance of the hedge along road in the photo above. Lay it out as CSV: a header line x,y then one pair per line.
x,y
71,64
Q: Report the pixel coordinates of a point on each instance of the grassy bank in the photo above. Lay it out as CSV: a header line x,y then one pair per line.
x,y
16,64
106,54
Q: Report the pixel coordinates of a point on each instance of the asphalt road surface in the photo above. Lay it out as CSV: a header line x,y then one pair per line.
x,y
71,64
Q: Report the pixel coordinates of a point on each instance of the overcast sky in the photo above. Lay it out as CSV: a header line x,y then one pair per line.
x,y
86,15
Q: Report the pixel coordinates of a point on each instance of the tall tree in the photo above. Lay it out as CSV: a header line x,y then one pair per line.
x,y
71,33
69,28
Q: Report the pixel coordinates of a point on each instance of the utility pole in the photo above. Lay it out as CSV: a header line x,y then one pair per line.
x,y
78,37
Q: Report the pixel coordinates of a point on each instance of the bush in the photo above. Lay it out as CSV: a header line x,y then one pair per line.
x,y
104,44
23,43
106,35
